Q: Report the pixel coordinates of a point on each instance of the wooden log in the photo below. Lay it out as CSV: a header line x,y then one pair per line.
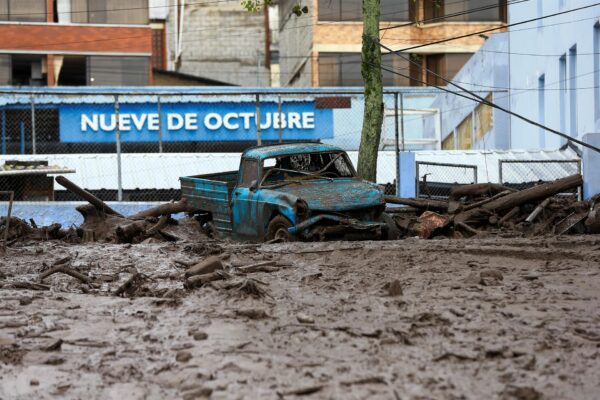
x,y
257,267
512,213
418,203
126,232
478,189
537,210
533,194
200,280
65,270
87,196
159,225
211,264
164,209
482,202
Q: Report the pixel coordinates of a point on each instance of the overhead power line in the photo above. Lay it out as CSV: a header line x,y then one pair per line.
x,y
475,97
498,27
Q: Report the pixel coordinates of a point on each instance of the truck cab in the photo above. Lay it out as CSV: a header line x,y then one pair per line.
x,y
301,191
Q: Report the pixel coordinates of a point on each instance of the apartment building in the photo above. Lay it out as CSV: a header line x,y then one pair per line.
x,y
75,43
322,48
216,40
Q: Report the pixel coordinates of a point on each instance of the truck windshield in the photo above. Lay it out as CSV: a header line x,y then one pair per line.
x,y
305,166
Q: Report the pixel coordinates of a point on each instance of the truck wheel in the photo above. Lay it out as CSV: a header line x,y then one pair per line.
x,y
278,229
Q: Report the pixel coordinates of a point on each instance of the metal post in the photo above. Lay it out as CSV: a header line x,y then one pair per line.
x,y
257,68
397,144
280,123
402,120
33,144
160,134
118,140
11,198
22,137
3,128
257,120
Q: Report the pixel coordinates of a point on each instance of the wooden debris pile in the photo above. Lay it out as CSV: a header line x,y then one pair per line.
x,y
102,223
482,209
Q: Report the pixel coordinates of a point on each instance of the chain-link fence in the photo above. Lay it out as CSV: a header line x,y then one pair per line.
x,y
436,180
134,146
522,174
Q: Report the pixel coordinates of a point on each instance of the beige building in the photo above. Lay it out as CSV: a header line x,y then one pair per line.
x,y
322,48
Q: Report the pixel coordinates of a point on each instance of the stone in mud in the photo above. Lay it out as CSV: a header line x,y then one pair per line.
x,y
183,356
394,288
200,335
253,313
305,319
521,393
197,393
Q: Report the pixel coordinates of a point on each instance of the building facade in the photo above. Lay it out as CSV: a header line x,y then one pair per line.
x,y
75,43
214,40
322,48
547,70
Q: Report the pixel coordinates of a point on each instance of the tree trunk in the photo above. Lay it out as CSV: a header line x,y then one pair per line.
x,y
371,73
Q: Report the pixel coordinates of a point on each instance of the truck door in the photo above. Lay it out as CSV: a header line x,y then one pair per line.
x,y
244,201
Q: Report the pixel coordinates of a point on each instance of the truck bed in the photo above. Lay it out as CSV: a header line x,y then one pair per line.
x,y
211,193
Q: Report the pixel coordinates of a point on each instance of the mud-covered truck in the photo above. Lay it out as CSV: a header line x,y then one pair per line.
x,y
300,191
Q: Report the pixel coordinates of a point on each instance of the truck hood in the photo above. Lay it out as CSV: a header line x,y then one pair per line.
x,y
337,195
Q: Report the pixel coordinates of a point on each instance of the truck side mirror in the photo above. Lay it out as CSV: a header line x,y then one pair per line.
x,y
253,185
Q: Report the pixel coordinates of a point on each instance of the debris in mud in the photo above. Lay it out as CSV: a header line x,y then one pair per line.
x,y
394,288
483,209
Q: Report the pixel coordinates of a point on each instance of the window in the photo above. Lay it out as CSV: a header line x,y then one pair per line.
x,y
542,109
5,69
448,143
28,70
23,10
465,133
562,91
71,70
344,69
249,172
597,70
572,85
131,12
463,11
351,10
117,71
445,65
484,118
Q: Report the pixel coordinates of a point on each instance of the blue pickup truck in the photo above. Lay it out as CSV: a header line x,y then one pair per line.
x,y
300,191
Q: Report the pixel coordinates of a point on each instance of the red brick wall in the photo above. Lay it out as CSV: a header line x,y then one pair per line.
x,y
81,38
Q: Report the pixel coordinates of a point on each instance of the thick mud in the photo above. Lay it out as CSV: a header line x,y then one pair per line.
x,y
413,319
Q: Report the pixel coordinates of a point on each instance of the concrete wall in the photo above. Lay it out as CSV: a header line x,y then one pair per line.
x,y
64,213
220,41
295,44
548,39
485,72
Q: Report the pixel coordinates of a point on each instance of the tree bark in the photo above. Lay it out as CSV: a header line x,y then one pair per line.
x,y
373,113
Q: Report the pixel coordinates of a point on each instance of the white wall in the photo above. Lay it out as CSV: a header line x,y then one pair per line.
x,y
535,50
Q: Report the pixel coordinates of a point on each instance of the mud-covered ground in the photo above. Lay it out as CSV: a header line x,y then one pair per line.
x,y
442,319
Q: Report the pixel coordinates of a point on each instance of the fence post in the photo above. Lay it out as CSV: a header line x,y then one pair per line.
x,y
118,140
397,143
280,122
160,133
500,172
257,120
33,144
3,128
402,119
22,137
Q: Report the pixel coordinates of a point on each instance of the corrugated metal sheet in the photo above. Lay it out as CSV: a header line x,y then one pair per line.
x,y
162,171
